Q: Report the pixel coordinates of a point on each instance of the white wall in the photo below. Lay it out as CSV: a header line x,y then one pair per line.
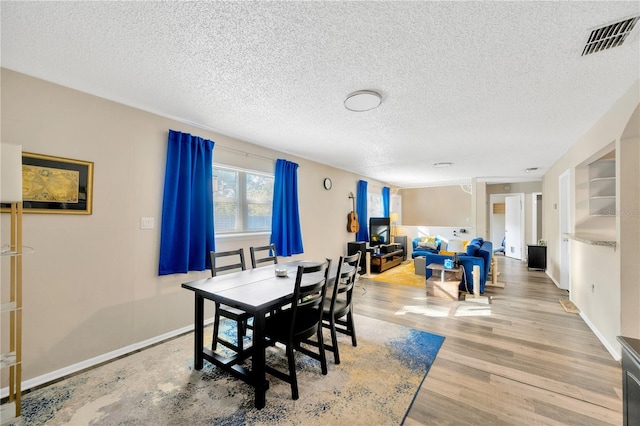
x,y
437,206
604,315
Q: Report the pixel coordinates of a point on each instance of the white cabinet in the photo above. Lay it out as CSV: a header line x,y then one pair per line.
x,y
602,187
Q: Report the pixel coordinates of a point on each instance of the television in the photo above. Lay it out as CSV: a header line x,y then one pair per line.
x,y
379,231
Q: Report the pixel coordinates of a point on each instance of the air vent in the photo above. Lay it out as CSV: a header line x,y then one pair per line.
x,y
609,36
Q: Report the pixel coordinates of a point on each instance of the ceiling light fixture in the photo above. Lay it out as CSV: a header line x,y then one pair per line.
x,y
362,100
442,164
530,169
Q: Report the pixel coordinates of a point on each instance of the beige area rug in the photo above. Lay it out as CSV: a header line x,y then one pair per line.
x,y
569,306
403,274
375,384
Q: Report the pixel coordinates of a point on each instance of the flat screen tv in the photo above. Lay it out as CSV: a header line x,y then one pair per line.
x,y
379,231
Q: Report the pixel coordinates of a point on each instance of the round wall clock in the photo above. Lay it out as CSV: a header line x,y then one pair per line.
x,y
327,184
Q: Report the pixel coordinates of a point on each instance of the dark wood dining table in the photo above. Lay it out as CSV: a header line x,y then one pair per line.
x,y
256,291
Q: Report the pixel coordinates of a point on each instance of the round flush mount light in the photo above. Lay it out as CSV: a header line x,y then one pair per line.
x,y
442,164
362,100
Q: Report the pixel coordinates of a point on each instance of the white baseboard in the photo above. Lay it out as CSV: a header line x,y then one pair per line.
x,y
57,374
552,279
613,351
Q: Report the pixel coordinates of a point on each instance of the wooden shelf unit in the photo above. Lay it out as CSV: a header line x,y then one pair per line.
x,y
382,262
11,356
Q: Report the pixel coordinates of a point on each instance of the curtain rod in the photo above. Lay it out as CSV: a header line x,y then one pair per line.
x,y
246,154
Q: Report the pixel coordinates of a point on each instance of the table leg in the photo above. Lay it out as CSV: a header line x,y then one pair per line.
x,y
198,333
258,361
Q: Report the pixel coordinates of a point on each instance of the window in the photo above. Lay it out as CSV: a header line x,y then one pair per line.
x,y
374,205
242,200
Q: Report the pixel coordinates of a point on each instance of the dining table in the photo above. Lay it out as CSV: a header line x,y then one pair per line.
x,y
258,292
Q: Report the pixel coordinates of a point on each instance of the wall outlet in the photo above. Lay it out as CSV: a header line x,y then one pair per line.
x,y
146,223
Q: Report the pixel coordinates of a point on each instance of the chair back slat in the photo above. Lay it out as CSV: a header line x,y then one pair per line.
x,y
271,257
216,268
309,293
345,278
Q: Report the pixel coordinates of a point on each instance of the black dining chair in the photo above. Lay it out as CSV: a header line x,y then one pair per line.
x,y
239,316
271,257
337,313
297,325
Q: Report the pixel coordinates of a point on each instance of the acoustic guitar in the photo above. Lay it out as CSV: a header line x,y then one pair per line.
x,y
352,218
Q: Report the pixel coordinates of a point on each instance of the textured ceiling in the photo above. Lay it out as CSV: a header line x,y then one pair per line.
x,y
493,87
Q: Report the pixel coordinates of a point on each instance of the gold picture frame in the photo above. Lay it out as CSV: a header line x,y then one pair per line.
x,y
56,185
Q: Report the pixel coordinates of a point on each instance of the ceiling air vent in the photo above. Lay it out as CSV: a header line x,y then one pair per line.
x,y
609,36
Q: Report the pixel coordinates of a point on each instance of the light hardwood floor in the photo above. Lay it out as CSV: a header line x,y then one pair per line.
x,y
521,360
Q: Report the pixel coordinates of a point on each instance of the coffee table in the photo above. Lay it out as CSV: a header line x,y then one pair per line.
x,y
447,285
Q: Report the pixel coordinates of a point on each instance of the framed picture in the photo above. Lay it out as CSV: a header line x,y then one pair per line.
x,y
55,185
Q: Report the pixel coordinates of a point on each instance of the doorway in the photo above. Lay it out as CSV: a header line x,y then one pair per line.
x,y
496,218
564,222
536,217
513,229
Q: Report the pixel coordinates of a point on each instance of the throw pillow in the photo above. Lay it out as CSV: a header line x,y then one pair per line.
x,y
472,249
432,245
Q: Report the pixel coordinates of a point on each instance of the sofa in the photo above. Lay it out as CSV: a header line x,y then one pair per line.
x,y
424,245
478,252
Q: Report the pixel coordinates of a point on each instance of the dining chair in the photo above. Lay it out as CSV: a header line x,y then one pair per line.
x,y
297,325
239,316
271,257
337,313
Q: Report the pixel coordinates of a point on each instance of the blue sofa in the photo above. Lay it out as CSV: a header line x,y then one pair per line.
x,y
479,252
422,251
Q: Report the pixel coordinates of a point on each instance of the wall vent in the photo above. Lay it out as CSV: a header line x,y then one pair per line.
x,y
609,36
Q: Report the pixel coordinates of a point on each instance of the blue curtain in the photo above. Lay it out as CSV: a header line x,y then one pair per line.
x,y
361,210
385,201
187,233
285,216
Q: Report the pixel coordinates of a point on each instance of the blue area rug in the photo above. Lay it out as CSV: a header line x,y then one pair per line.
x,y
375,383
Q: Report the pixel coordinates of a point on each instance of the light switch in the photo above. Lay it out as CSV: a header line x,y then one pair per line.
x,y
146,223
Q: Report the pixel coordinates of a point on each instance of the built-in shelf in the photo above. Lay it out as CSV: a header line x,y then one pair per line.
x,y
593,239
602,187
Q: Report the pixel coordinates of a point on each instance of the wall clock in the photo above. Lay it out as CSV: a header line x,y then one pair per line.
x,y
327,184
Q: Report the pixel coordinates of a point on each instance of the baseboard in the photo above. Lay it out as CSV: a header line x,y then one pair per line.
x,y
552,279
613,351
58,374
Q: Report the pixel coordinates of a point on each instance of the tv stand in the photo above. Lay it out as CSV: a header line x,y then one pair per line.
x,y
380,262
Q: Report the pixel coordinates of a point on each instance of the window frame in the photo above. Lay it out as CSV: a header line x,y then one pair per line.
x,y
242,203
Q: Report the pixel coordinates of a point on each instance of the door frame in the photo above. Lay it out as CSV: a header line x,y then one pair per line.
x,y
534,217
564,225
493,199
521,198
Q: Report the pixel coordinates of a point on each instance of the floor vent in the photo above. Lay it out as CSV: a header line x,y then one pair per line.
x,y
609,36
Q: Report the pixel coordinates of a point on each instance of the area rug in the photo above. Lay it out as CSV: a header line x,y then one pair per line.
x,y
375,383
403,274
